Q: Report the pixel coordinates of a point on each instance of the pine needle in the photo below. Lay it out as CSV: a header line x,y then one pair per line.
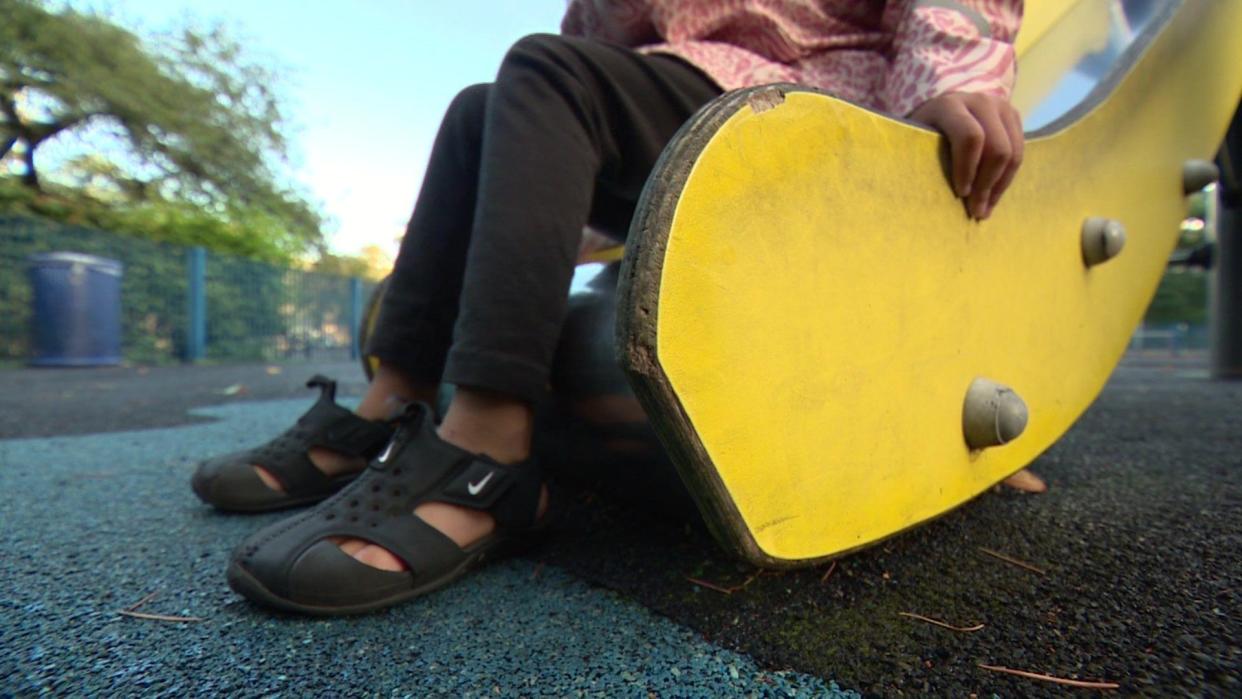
x,y
142,601
159,617
132,611
942,624
1049,678
1013,561
831,569
725,590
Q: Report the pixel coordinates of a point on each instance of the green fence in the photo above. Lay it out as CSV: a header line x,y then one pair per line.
x,y
246,310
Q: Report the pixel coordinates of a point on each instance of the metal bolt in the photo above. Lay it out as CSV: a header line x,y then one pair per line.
x,y
1102,240
1197,174
992,414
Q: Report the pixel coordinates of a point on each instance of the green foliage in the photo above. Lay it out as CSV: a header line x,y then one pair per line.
x,y
199,126
193,133
1181,298
1197,204
344,266
251,233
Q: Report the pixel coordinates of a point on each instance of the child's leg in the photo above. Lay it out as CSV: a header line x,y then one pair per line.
x,y
569,132
415,324
572,129
414,328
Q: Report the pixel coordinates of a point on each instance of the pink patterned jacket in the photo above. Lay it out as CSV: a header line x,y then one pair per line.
x,y
891,56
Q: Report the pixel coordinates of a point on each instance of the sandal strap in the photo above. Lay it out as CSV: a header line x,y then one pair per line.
x,y
509,493
420,467
425,550
326,386
325,425
443,472
348,434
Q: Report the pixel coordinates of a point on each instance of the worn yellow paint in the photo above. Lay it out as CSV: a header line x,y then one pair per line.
x,y
825,302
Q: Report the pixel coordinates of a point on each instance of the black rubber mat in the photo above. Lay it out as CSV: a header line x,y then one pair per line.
x,y
1139,544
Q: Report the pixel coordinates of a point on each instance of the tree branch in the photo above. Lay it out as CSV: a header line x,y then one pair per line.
x,y
30,178
9,106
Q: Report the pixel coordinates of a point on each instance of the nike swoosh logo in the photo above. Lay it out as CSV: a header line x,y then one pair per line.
x,y
476,488
387,451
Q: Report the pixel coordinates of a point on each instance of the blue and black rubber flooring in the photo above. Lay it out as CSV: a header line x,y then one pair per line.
x,y
1135,554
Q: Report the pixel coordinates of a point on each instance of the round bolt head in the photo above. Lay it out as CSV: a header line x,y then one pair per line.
x,y
1102,240
992,415
1197,174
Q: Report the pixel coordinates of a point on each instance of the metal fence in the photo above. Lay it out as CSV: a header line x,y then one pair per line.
x,y
1171,338
181,303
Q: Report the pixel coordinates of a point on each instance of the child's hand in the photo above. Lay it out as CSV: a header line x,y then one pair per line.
x,y
985,142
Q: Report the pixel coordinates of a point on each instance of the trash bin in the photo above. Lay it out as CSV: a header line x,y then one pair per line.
x,y
76,316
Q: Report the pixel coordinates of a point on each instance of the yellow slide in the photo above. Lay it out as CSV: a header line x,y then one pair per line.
x,y
833,352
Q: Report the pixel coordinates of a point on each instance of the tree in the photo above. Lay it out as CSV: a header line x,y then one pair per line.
x,y
371,262
199,124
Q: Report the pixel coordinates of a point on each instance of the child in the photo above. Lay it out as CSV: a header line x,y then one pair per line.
x,y
565,136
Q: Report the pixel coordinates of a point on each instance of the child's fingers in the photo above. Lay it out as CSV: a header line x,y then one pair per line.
x,y
966,140
996,154
1017,138
985,145
1013,124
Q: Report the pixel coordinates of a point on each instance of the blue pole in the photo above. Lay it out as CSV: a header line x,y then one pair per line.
x,y
196,309
355,317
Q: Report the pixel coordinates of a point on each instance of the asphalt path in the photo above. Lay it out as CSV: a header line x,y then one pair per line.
x,y
59,402
1137,543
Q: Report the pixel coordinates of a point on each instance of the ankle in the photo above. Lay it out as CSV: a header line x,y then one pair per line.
x,y
389,389
489,423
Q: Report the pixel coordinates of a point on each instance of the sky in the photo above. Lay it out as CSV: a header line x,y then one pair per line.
x,y
365,85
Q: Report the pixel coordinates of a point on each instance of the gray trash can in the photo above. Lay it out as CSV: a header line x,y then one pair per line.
x,y
76,316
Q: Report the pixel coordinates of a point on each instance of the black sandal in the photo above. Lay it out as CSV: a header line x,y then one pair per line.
x,y
230,482
294,566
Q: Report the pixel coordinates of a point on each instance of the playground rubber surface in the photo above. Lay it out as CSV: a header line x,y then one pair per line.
x,y
94,524
1137,542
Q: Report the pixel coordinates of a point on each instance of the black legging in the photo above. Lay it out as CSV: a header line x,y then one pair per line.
x,y
565,136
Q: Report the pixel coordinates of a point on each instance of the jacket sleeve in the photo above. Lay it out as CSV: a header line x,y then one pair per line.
x,y
942,46
625,22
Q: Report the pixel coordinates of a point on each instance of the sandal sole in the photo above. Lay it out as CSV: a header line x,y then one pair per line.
x,y
246,585
285,504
